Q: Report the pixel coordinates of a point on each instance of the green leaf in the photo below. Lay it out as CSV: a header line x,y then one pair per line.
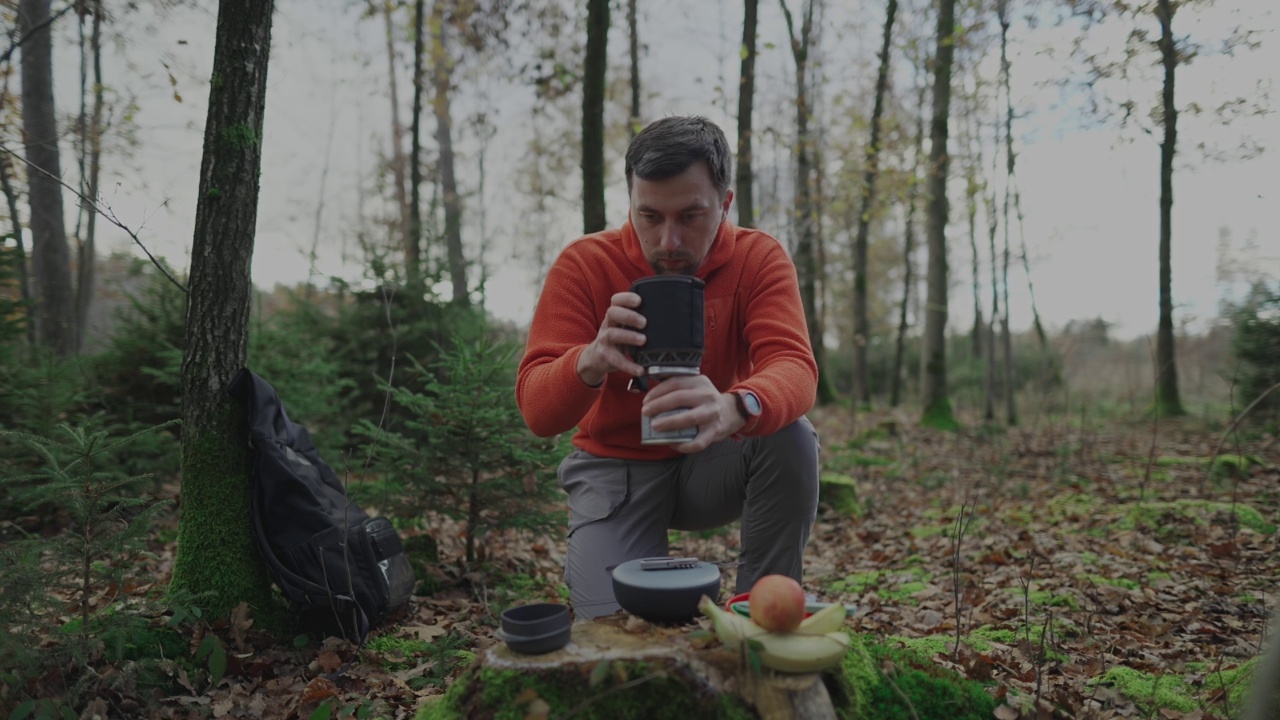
x,y
301,641
599,673
365,711
217,663
207,645
23,710
324,712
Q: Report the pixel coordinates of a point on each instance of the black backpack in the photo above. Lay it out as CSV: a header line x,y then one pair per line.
x,y
342,571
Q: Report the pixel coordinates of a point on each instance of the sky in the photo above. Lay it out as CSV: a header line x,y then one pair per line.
x,y
1089,190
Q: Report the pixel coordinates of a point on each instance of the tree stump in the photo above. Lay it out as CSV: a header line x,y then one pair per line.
x,y
622,666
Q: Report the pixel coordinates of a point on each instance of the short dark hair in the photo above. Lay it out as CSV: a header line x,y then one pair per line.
x,y
668,147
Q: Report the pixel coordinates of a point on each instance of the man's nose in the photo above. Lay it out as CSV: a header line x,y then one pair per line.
x,y
670,240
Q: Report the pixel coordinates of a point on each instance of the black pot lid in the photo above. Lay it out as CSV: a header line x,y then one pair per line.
x,y
632,574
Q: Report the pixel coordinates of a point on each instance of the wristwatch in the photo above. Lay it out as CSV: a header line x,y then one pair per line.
x,y
748,405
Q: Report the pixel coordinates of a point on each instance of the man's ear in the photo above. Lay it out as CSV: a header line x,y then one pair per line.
x,y
728,202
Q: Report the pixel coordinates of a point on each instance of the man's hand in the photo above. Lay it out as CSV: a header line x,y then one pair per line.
x,y
608,352
714,413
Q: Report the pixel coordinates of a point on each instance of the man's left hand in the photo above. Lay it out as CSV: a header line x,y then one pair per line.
x,y
714,413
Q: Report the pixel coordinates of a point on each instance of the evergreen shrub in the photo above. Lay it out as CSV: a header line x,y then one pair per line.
x,y
463,449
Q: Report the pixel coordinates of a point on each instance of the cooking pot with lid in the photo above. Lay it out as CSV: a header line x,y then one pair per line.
x,y
665,590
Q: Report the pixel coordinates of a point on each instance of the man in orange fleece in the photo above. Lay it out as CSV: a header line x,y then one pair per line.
x,y
755,456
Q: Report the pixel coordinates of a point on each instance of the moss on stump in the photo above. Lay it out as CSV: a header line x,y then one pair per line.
x,y
613,669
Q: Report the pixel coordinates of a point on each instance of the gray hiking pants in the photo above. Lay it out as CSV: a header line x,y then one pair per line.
x,y
620,510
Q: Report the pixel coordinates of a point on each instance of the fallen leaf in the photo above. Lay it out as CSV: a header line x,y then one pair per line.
x,y
1007,712
240,624
426,633
328,661
318,689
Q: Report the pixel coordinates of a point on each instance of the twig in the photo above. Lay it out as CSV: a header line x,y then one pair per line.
x,y
962,525
1209,466
106,214
18,43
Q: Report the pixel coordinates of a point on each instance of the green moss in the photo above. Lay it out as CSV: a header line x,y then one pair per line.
x,y
1156,576
1125,583
507,695
213,193
1151,692
856,583
840,493
218,561
939,416
902,593
933,692
240,136
1046,598
1152,514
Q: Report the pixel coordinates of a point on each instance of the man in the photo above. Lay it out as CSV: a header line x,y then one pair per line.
x,y
755,455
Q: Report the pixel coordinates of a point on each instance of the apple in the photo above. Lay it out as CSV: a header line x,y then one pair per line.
x,y
777,603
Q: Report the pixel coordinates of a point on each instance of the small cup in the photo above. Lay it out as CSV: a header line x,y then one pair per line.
x,y
537,628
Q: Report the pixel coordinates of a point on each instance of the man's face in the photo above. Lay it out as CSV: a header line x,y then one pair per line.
x,y
677,219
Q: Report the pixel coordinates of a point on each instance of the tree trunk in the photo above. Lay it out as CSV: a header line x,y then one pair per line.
x,y
633,25
806,250
1010,400
88,258
593,89
216,551
413,248
972,188
442,69
933,381
1002,8
908,248
861,373
398,162
1168,402
55,324
989,384
11,199
745,194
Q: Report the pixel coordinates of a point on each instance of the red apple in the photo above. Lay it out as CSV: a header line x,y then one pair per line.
x,y
777,603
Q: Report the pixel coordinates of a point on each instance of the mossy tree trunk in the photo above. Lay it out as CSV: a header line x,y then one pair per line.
x,y
933,376
216,552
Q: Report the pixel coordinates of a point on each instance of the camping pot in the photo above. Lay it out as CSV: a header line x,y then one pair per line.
x,y
665,590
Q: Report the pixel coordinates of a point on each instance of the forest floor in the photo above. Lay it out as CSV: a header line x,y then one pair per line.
x,y
1097,569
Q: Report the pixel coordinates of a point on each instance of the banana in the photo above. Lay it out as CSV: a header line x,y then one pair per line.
x,y
731,628
828,619
796,652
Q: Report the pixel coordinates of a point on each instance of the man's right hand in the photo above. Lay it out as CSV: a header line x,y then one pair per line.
x,y
608,352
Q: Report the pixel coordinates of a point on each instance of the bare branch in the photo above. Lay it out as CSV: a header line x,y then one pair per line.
x,y
106,214
18,43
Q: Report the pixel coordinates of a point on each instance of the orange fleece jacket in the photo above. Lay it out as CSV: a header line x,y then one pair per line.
x,y
755,338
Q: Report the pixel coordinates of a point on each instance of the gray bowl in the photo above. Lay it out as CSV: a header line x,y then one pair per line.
x,y
537,628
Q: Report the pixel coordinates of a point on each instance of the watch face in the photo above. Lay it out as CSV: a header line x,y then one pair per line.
x,y
751,402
